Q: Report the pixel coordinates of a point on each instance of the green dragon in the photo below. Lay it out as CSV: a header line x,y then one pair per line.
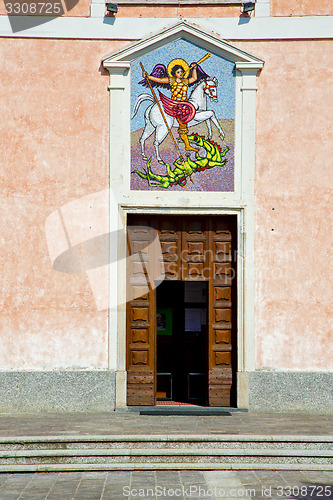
x,y
185,168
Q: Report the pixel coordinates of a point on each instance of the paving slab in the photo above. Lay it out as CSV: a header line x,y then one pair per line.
x,y
184,485
48,424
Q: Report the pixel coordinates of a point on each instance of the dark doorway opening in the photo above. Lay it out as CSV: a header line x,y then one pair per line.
x,y
182,342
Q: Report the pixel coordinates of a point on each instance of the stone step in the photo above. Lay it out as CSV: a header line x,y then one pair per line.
x,y
62,453
132,466
76,439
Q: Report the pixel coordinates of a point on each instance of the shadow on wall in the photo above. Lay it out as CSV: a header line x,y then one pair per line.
x,y
80,241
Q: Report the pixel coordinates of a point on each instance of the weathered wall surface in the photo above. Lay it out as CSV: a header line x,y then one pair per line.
x,y
54,149
174,11
301,8
293,193
82,9
278,8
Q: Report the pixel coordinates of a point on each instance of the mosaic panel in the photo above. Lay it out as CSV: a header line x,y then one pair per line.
x,y
182,125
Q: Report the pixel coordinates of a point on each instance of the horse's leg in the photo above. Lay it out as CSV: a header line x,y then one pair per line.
x,y
209,128
160,135
216,123
147,132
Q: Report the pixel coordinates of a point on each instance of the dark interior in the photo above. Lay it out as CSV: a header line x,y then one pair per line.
x,y
182,358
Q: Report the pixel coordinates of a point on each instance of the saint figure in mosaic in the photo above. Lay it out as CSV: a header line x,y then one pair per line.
x,y
177,77
181,95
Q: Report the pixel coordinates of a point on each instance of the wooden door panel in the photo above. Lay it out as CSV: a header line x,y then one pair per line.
x,y
222,337
141,315
169,231
195,244
220,314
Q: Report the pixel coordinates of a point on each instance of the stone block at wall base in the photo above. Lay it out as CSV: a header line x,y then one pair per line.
x,y
57,391
310,392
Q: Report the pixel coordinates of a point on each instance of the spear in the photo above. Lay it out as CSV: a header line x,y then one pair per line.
x,y
160,108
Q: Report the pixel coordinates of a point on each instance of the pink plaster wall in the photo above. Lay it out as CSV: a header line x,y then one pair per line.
x,y
82,9
278,8
54,146
293,197
174,11
54,149
301,8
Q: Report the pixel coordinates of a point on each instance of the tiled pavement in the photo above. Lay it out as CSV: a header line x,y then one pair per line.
x,y
183,485
132,423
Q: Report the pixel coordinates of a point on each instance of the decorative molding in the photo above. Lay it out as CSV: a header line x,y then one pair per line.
x,y
190,32
247,67
116,65
107,28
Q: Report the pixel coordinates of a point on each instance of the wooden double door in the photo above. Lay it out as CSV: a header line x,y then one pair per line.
x,y
180,346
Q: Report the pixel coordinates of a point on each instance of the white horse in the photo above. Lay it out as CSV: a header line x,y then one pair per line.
x,y
155,122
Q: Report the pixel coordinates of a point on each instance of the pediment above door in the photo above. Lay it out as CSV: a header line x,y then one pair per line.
x,y
154,150
191,33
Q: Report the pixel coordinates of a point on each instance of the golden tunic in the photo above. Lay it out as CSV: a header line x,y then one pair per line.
x,y
179,89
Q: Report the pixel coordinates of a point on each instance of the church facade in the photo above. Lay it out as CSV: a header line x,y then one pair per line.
x,y
166,227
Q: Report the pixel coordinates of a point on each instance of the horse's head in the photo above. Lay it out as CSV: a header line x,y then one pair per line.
x,y
210,88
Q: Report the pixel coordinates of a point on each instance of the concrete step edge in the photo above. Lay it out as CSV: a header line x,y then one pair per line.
x,y
163,466
167,447
136,452
167,438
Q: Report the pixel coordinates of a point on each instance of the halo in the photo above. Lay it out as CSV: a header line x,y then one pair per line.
x,y
181,63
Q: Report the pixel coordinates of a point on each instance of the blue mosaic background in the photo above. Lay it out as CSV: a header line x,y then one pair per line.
x,y
215,66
